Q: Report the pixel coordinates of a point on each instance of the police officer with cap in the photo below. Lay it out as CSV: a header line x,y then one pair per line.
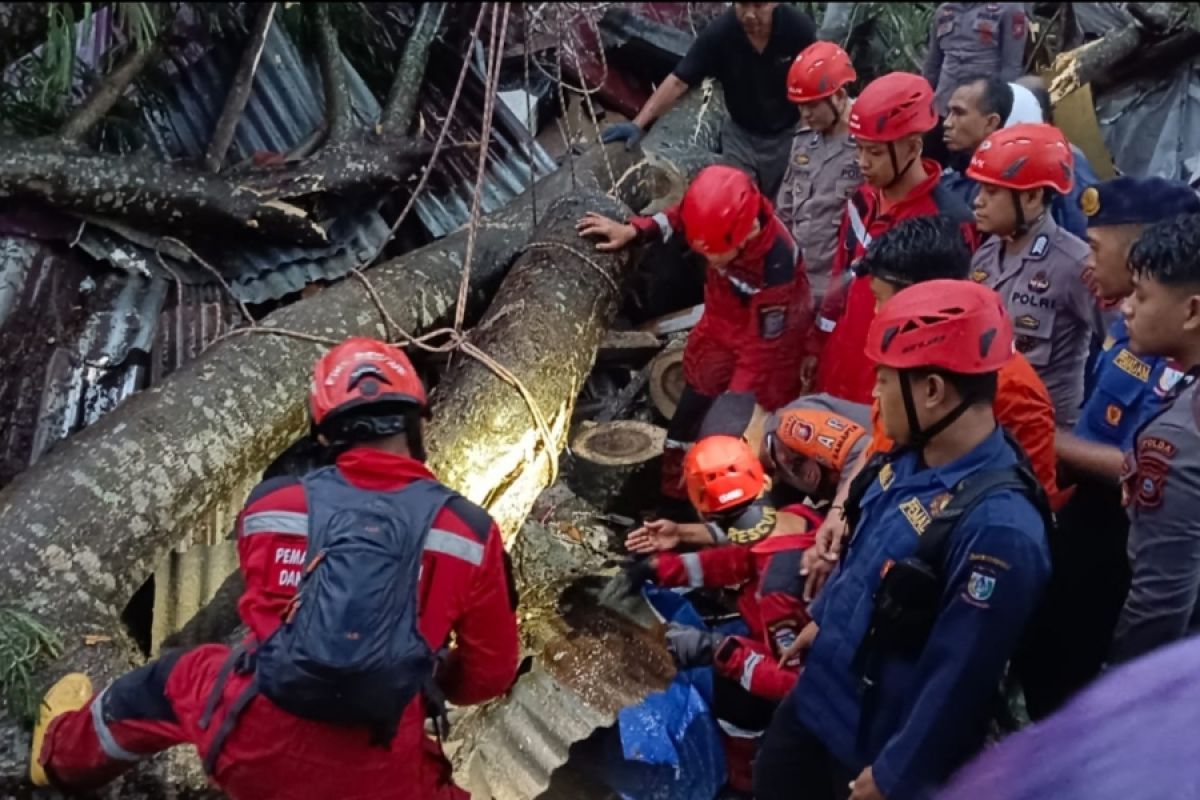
x,y
1092,569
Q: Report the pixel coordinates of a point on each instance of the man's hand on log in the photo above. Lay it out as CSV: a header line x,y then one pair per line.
x,y
613,235
653,537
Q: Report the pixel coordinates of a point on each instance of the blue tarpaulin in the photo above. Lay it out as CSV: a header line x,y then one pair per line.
x,y
669,746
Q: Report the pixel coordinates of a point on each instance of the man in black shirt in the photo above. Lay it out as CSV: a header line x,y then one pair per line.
x,y
749,49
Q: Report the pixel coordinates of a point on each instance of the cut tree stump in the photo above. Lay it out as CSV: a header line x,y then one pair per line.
x,y
667,380
614,465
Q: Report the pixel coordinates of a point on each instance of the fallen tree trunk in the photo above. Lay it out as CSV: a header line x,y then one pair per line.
x,y
544,325
88,522
1104,59
174,198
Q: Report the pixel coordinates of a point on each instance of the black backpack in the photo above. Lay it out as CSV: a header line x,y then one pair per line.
x,y
349,651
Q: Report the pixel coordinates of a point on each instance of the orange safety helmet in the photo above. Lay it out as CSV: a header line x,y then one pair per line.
x,y
361,373
896,105
719,209
818,72
823,436
1029,156
957,326
722,473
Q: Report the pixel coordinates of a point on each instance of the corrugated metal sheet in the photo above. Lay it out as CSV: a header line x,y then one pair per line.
x,y
77,340
588,662
284,108
184,582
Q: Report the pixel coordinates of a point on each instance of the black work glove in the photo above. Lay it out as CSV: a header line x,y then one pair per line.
x,y
626,132
638,573
691,647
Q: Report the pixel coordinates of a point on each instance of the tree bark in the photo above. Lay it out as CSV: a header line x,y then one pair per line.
x,y
106,94
401,105
1104,58
255,203
544,325
333,78
239,90
88,522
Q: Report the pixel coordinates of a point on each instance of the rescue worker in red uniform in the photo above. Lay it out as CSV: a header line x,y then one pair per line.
x,y
368,403
757,310
761,554
888,121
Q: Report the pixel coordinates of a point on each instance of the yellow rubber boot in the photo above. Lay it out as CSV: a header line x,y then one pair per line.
x,y
71,693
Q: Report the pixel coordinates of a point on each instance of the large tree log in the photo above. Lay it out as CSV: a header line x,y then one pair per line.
x,y
544,325
84,526
176,198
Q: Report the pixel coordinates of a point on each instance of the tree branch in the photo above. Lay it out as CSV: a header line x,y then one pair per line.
x,y
105,96
239,90
333,73
401,105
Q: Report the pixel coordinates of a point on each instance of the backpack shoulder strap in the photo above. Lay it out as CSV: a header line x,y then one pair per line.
x,y
967,494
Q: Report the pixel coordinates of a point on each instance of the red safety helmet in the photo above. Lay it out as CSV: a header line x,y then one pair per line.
x,y
719,209
721,473
1029,156
897,105
958,326
819,71
362,372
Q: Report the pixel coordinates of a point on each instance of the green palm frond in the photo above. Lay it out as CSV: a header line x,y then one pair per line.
x,y
25,645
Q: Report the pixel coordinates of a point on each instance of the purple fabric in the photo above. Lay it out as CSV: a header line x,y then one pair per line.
x,y
1132,734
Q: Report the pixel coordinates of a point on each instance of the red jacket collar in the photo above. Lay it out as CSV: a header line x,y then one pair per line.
x,y
913,203
376,470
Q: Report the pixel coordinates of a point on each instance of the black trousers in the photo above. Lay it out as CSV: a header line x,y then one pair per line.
x,y
793,764
1084,600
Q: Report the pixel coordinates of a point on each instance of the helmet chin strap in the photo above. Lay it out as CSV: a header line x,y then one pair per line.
x,y
1022,227
916,436
898,173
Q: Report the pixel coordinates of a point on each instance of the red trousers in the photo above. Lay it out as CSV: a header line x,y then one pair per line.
x,y
713,363
269,755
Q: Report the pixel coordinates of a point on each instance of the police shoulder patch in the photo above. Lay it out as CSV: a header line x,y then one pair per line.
x,y
1040,246
1155,444
980,587
1128,363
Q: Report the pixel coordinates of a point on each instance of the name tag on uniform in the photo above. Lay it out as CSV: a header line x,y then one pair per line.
x,y
1129,363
